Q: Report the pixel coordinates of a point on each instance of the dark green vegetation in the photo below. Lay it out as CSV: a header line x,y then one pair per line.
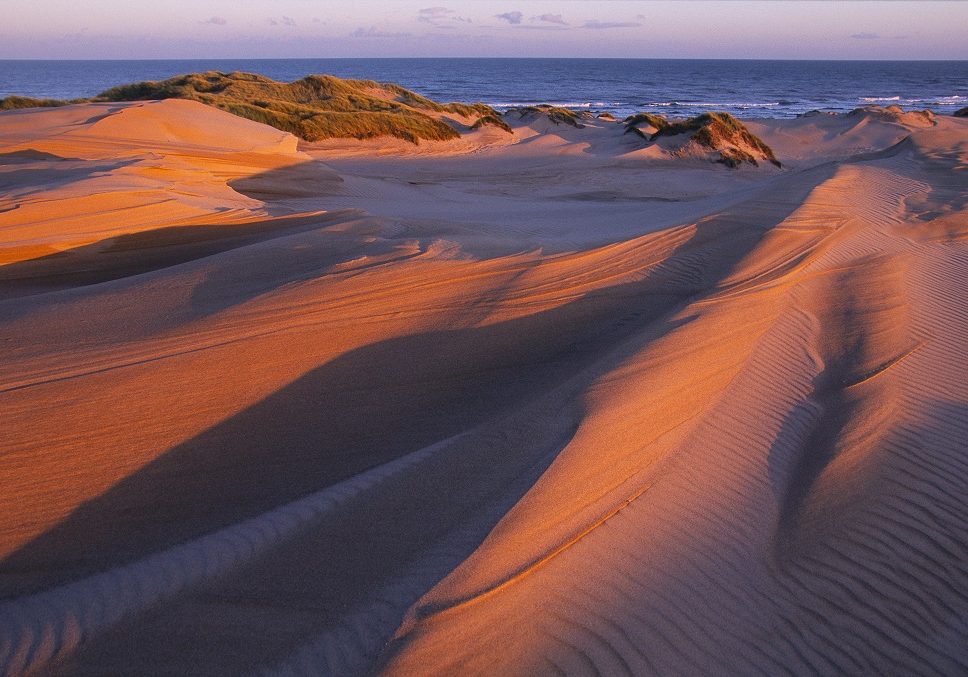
x,y
12,102
716,131
961,113
316,107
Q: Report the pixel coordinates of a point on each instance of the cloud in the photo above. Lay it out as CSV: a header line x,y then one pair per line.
x,y
284,21
551,19
599,25
431,13
511,17
373,32
541,27
441,17
865,36
215,21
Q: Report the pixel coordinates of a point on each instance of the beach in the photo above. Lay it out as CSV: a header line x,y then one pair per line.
x,y
562,400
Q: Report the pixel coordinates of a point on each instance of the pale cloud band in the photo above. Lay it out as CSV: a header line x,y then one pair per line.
x,y
858,29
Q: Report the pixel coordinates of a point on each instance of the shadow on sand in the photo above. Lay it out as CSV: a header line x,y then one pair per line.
x,y
365,408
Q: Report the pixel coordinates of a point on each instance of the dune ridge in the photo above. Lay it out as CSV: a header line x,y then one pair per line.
x,y
548,401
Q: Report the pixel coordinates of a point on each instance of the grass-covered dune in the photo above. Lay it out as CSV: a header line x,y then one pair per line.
x,y
316,107
15,102
556,114
645,124
313,108
719,132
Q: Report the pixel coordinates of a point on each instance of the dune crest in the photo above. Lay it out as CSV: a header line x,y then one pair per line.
x,y
550,401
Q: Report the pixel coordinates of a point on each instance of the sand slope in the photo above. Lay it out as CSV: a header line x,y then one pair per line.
x,y
514,405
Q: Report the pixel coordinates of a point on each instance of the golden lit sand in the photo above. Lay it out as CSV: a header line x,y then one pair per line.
x,y
552,402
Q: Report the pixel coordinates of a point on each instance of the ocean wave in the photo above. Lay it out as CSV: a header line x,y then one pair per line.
x,y
560,104
710,104
951,100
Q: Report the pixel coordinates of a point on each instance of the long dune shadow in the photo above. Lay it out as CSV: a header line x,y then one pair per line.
x,y
113,258
144,252
352,574
364,408
28,180
295,200
312,179
372,405
57,172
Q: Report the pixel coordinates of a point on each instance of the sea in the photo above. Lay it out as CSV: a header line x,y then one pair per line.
x,y
676,88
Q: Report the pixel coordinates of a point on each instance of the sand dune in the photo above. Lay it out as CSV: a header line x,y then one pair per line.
x,y
549,402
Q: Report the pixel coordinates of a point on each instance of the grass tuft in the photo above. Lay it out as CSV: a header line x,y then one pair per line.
x,y
493,120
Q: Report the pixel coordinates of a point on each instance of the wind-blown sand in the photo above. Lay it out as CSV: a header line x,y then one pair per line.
x,y
550,402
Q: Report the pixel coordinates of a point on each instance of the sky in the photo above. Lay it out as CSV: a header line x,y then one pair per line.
x,y
764,29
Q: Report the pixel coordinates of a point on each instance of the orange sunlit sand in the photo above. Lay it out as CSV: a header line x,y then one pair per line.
x,y
556,400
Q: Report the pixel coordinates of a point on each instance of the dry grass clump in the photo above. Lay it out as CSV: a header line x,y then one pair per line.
x,y
493,120
633,122
313,108
15,102
650,119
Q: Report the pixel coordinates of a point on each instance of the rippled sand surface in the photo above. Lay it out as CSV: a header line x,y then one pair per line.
x,y
549,403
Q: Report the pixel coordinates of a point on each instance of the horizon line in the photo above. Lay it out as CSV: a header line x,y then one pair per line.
x,y
482,58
